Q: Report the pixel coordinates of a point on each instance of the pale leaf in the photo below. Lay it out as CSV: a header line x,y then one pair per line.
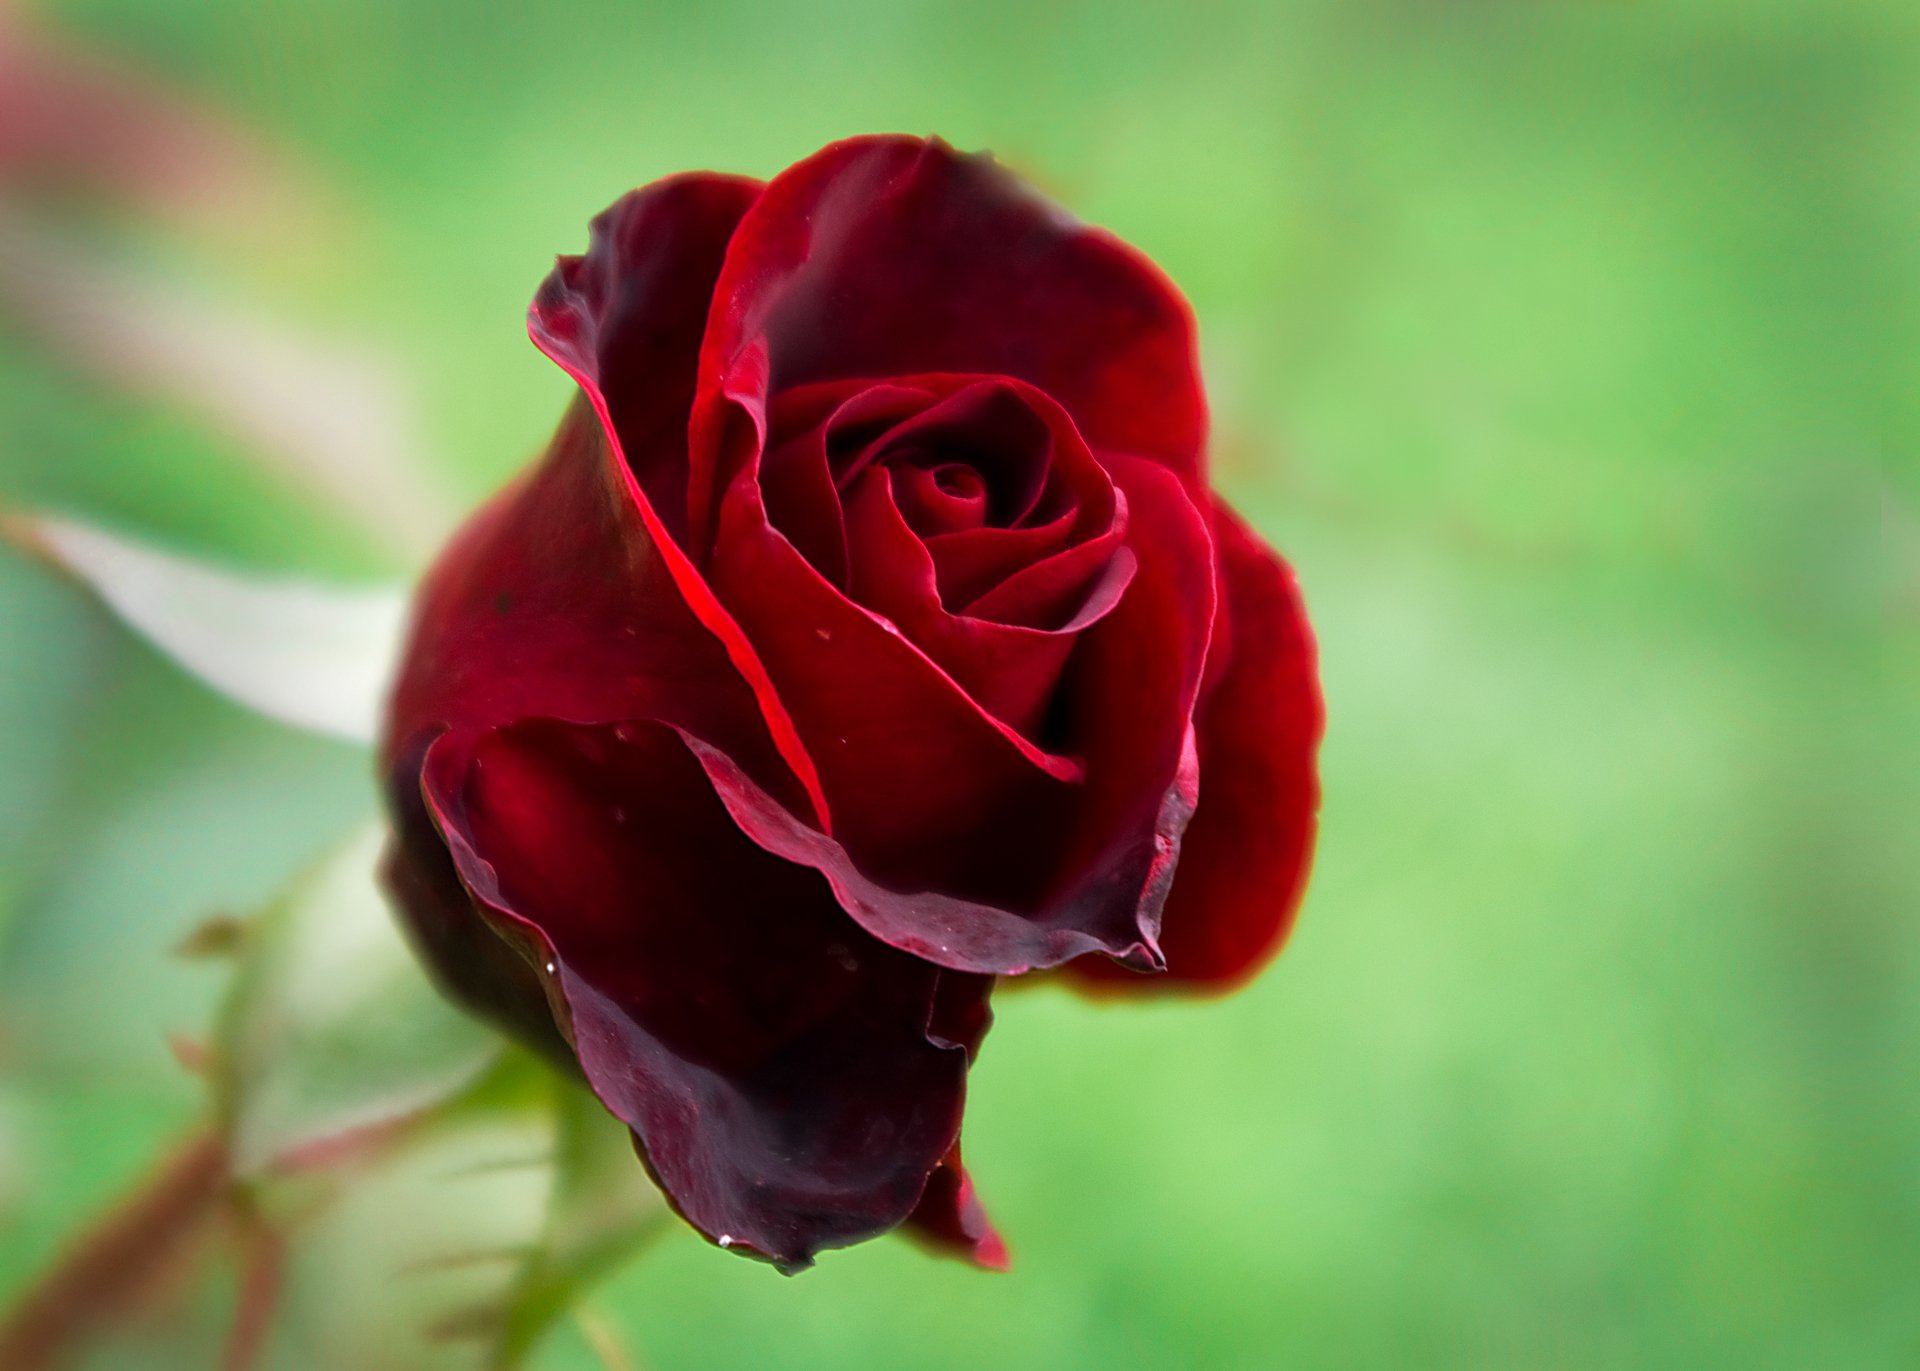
x,y
313,656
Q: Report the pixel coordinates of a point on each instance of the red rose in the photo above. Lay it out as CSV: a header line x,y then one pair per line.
x,y
868,632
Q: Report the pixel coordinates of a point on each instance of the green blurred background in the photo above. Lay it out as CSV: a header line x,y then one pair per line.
x,y
1572,353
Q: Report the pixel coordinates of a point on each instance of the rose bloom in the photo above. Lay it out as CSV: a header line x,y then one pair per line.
x,y
867,633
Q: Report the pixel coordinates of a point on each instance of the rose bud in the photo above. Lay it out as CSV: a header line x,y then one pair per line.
x,y
868,632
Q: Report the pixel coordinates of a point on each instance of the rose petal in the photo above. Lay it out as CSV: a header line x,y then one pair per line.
x,y
1074,868
1006,434
798,479
620,321
948,498
554,601
630,313
793,1083
1010,670
1103,913
950,1218
474,963
1243,863
1130,690
876,714
887,255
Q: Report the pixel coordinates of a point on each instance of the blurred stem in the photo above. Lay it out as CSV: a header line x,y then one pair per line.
x,y
603,1341
107,1273
263,1266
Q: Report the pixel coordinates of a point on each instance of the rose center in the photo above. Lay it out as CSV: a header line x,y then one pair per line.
x,y
976,499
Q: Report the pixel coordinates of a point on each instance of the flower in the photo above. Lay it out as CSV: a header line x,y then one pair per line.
x,y
868,632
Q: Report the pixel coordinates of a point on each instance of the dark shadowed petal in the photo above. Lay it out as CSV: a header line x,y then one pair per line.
x,y
486,968
887,255
1129,694
1244,860
554,601
792,1082
951,1219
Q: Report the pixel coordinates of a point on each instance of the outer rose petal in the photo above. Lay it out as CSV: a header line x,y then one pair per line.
x,y
554,602
479,965
622,321
628,316
791,1082
1243,863
883,256
562,598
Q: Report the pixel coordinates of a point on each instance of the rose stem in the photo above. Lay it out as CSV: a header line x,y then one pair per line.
x,y
107,1271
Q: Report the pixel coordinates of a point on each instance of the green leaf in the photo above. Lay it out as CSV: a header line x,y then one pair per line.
x,y
332,1028
312,656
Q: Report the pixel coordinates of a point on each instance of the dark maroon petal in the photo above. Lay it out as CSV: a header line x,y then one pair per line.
x,y
791,1082
1243,863
1103,912
485,968
951,1219
888,255
1130,691
555,601
630,313
619,322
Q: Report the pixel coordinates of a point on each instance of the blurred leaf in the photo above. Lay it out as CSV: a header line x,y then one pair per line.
x,y
314,657
332,1029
